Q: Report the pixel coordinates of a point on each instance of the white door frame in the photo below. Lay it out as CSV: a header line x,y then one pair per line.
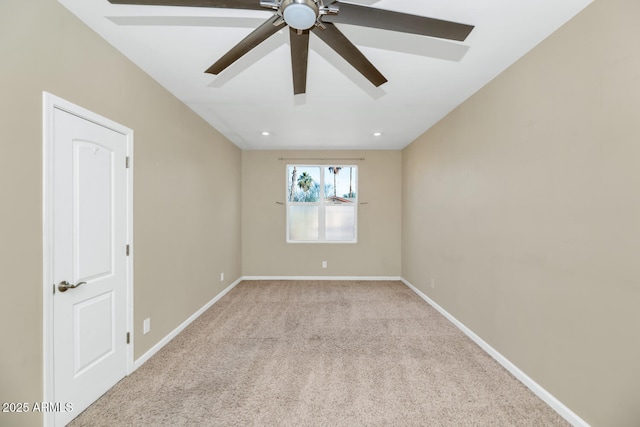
x,y
50,103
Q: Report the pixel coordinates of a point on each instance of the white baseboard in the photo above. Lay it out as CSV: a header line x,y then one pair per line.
x,y
368,278
536,388
153,350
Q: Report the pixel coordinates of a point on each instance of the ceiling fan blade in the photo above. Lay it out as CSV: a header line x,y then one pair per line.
x,y
258,35
366,16
225,4
299,59
338,42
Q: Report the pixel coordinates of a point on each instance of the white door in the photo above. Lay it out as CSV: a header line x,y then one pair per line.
x,y
89,265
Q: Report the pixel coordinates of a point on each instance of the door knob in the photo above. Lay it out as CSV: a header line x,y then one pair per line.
x,y
64,285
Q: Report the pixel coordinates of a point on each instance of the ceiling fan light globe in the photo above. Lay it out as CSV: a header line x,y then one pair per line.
x,y
299,14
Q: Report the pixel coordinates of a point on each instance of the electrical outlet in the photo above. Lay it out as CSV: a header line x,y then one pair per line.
x,y
222,277
146,326
433,283
324,264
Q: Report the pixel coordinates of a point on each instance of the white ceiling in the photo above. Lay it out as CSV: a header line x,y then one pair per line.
x,y
428,77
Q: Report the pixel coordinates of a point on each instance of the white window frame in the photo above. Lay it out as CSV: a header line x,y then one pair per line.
x,y
321,203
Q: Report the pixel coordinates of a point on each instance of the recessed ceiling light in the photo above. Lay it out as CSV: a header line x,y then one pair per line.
x,y
265,133
377,134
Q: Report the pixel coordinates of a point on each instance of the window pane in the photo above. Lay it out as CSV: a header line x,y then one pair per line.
x,y
340,222
321,203
303,183
340,181
303,222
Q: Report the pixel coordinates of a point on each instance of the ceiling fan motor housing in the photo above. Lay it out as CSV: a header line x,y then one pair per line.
x,y
300,14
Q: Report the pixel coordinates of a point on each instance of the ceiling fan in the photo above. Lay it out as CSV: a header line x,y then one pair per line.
x,y
319,17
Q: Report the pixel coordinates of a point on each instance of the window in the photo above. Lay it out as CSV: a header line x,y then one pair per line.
x,y
322,203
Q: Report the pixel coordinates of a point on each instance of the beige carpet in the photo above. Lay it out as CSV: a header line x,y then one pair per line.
x,y
316,353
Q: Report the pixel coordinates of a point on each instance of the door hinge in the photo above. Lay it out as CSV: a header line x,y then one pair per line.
x,y
126,162
128,250
128,337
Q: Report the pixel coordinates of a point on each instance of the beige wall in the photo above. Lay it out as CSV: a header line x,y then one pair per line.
x,y
187,226
523,205
264,249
